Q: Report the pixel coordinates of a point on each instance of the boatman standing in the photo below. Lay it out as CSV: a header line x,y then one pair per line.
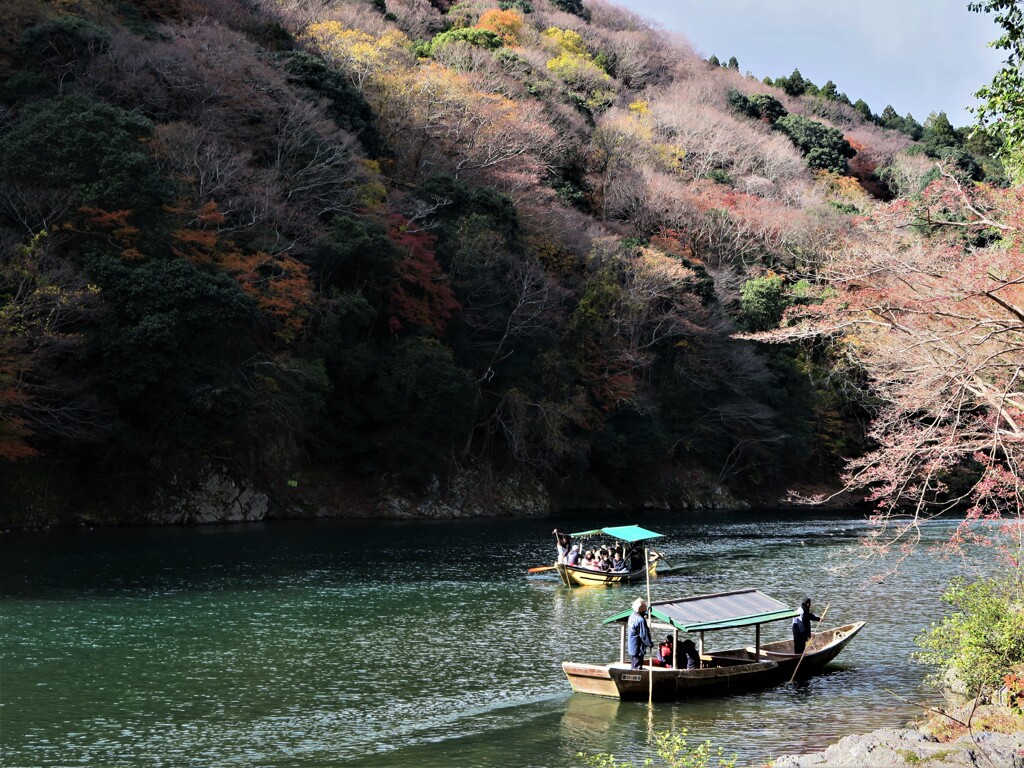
x,y
638,634
562,542
802,626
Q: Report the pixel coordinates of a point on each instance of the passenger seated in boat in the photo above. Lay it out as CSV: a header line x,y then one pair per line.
x,y
588,560
688,652
603,564
618,564
664,657
573,558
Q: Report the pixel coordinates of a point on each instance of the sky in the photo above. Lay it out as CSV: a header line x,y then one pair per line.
x,y
920,56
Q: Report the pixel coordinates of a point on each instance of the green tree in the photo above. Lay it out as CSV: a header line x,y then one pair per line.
x,y
829,91
824,148
347,107
1002,104
482,38
982,639
733,63
423,404
940,135
96,151
766,107
912,128
865,111
713,61
890,118
759,106
762,302
173,345
795,84
64,46
574,7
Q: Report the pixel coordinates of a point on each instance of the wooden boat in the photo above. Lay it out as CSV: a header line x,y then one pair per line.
x,y
721,673
635,539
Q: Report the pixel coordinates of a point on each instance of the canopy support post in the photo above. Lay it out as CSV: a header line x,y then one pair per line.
x,y
757,641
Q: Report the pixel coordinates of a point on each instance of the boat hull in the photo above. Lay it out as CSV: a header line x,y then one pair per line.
x,y
822,648
724,673
618,681
575,576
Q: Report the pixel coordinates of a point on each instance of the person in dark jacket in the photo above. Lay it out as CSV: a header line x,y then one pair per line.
x,y
638,634
802,625
688,656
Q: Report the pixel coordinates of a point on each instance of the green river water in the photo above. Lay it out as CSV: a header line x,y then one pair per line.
x,y
334,643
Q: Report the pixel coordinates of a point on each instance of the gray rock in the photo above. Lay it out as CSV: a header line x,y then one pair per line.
x,y
892,747
216,498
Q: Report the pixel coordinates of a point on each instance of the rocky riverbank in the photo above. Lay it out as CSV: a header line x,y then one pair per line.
x,y
905,746
995,739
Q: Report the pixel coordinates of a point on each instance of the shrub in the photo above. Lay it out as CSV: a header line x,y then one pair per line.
x,y
981,640
482,38
673,749
762,302
824,148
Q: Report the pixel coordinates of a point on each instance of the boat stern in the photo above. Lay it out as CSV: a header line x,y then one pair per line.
x,y
595,679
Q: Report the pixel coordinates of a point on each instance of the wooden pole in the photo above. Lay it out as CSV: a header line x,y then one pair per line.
x,y
797,667
650,668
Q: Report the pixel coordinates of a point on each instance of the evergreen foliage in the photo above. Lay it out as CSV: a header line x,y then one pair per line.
x,y
96,151
824,148
982,640
1002,107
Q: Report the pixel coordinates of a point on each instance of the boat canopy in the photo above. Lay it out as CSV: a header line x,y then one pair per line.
x,y
725,610
630,533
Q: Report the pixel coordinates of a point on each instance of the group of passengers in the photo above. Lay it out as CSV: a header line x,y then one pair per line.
x,y
686,658
610,558
600,559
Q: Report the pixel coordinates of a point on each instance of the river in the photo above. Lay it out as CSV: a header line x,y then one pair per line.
x,y
339,643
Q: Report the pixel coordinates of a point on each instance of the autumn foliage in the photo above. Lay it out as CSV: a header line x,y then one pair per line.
x,y
392,242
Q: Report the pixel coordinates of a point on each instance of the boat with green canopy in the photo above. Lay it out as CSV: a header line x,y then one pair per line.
x,y
756,666
637,558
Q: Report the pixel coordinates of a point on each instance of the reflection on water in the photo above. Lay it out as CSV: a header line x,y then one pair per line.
x,y
412,644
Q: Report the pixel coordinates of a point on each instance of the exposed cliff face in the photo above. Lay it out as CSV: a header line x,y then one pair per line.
x,y
218,494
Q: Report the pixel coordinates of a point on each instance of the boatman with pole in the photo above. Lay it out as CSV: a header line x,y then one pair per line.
x,y
638,634
802,626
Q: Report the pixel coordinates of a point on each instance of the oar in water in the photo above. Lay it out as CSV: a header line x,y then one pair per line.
x,y
670,568
542,568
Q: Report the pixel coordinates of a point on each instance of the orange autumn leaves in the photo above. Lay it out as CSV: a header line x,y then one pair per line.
x,y
277,283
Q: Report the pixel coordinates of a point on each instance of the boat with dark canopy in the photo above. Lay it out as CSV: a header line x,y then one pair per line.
x,y
756,666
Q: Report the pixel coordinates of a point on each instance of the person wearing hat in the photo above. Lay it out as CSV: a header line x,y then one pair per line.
x,y
802,626
638,634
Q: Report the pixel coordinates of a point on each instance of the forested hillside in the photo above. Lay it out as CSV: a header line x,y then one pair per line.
x,y
332,251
